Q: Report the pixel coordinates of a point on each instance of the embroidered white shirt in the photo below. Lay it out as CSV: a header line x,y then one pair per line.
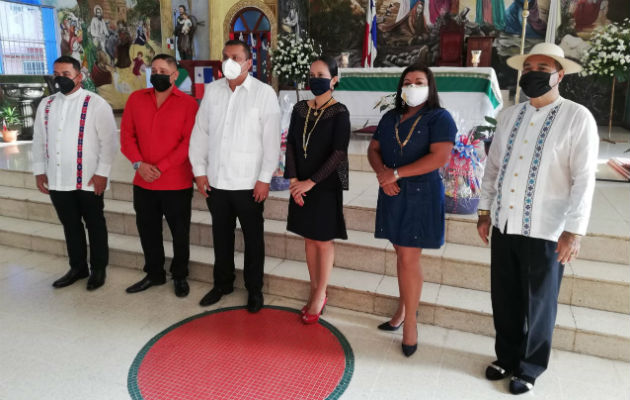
x,y
236,138
540,173
56,147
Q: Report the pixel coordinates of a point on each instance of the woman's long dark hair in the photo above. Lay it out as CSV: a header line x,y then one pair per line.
x,y
432,101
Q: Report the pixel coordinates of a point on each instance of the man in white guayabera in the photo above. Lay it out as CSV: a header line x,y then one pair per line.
x,y
234,150
536,194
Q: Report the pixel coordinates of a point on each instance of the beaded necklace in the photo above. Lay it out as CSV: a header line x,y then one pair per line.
x,y
306,138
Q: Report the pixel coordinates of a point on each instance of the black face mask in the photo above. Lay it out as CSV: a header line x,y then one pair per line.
x,y
319,85
535,83
161,82
64,84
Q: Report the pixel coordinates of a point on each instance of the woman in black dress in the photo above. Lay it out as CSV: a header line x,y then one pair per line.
x,y
317,165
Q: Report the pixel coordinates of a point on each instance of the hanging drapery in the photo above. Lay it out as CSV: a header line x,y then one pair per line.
x,y
553,21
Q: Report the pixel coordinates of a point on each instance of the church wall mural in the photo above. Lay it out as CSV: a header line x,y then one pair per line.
x,y
114,40
293,16
409,31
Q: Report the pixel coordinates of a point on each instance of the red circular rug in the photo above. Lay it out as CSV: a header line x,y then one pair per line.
x,y
232,354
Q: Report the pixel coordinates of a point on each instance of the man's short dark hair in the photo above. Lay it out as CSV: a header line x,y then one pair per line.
x,y
235,42
170,60
69,60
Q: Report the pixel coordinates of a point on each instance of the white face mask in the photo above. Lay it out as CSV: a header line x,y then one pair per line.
x,y
231,69
415,95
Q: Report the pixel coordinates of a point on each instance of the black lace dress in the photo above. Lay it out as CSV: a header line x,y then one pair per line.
x,y
326,163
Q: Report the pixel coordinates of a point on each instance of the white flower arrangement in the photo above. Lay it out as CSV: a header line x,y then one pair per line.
x,y
609,55
292,58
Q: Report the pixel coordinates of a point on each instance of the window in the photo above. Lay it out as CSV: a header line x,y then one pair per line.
x,y
252,26
22,42
34,67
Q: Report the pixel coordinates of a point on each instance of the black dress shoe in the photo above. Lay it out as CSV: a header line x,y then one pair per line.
x,y
408,350
521,384
386,326
213,296
144,284
181,287
96,280
70,277
497,371
254,302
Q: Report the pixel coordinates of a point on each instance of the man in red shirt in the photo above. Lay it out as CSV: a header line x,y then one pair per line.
x,y
155,136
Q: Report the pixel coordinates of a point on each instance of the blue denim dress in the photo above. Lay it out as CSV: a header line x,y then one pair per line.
x,y
414,217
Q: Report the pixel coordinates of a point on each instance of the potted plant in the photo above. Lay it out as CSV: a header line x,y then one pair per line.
x,y
11,122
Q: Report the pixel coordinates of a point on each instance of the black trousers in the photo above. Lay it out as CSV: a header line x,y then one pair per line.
x,y
175,206
225,206
525,282
73,208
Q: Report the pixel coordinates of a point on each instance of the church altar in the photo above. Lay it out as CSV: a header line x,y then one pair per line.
x,y
468,93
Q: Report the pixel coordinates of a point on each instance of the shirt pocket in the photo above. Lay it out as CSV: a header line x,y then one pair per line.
x,y
248,133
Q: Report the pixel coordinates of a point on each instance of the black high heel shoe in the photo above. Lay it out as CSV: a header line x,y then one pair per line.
x,y
409,349
386,326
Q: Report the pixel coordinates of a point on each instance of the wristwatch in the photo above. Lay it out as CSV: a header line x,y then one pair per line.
x,y
396,174
136,165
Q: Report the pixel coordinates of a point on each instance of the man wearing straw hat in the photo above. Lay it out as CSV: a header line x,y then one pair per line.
x,y
536,195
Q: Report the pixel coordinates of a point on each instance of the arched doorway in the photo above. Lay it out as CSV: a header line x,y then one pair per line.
x,y
253,27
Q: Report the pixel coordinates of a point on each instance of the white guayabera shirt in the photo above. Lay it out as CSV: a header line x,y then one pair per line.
x,y
540,173
74,138
236,138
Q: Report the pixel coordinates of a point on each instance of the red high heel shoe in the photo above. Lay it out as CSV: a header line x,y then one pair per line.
x,y
310,319
303,310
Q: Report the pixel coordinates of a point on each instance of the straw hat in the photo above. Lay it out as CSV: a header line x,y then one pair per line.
x,y
549,50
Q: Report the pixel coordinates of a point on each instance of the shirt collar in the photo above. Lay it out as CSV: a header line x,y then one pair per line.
x,y
174,92
247,83
548,106
72,96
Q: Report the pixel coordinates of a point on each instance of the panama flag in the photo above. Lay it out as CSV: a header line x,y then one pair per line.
x,y
369,40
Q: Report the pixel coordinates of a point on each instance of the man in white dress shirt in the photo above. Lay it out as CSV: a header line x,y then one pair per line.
x,y
74,144
536,194
234,151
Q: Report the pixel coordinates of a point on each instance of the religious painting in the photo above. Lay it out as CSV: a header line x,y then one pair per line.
x,y
114,40
339,26
293,16
409,30
573,26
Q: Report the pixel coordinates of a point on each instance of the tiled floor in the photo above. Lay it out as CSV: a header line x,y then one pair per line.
x,y
71,344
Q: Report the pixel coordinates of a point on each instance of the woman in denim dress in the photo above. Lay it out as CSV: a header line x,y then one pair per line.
x,y
409,146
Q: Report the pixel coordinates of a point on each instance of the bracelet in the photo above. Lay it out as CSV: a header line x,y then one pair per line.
x,y
396,174
483,212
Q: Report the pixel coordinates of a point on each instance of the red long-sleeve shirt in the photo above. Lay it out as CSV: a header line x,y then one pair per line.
x,y
159,136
